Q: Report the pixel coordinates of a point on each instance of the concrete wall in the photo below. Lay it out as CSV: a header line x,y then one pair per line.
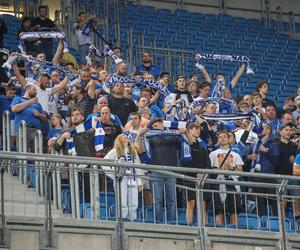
x,y
137,243
24,240
72,241
223,246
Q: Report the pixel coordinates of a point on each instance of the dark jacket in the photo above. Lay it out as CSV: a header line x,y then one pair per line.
x,y
84,144
165,149
269,160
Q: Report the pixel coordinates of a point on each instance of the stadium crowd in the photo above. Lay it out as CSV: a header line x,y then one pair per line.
x,y
136,123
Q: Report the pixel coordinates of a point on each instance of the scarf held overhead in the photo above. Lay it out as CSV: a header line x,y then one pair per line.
x,y
229,58
40,34
130,80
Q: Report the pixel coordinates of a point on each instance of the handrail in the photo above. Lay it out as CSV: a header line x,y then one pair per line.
x,y
96,161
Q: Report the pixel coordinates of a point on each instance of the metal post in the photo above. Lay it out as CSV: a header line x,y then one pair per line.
x,y
222,6
117,29
200,216
292,28
48,208
281,213
76,192
6,131
118,200
26,7
130,47
154,51
72,190
279,19
169,60
22,147
267,14
2,169
182,63
38,149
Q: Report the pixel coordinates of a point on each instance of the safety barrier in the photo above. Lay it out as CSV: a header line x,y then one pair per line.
x,y
93,193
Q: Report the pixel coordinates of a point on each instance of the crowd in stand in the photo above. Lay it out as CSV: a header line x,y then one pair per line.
x,y
127,122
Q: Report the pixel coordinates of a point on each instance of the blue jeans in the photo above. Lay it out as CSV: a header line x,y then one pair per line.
x,y
158,193
83,50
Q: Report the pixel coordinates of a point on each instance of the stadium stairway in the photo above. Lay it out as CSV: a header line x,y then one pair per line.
x,y
22,201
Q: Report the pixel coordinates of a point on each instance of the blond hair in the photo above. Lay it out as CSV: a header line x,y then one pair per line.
x,y
120,150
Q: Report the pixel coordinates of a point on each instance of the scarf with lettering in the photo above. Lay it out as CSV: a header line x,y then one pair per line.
x,y
229,58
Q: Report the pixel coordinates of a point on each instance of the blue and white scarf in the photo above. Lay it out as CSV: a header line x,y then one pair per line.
x,y
222,187
130,80
89,27
41,64
255,150
224,106
218,88
93,52
37,35
84,127
229,58
185,149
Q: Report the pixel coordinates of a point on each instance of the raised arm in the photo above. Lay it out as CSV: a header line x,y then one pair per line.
x,y
203,72
91,89
60,86
58,52
238,75
19,76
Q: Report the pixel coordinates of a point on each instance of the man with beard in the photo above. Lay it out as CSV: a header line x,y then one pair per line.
x,y
84,146
120,105
263,158
28,108
84,98
147,66
84,76
45,94
121,69
111,129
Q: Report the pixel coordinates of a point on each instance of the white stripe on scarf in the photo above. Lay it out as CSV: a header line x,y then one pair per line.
x,y
229,58
84,127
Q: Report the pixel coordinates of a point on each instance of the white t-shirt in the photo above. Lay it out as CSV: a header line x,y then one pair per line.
x,y
43,97
217,157
252,137
83,39
53,104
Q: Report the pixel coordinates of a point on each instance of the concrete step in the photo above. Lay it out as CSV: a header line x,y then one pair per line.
x,y
22,201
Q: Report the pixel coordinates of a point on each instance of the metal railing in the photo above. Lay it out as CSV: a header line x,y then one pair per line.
x,y
108,204
83,188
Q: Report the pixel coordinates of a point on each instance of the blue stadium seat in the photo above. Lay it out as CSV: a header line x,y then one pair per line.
x,y
271,223
248,221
